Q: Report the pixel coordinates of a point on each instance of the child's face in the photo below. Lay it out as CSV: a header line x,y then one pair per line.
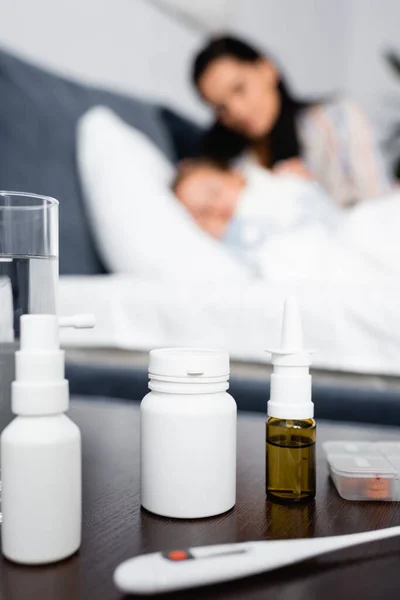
x,y
210,194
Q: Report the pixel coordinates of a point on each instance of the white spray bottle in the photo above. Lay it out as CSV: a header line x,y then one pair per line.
x,y
41,450
290,428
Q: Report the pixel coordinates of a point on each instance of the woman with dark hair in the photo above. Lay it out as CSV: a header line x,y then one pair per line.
x,y
256,115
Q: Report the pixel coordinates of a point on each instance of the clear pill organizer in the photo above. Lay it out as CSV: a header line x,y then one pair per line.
x,y
365,470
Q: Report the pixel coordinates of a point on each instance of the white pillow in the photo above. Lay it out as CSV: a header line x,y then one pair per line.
x,y
138,224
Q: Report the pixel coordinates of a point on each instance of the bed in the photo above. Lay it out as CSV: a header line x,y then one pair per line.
x,y
134,316
354,330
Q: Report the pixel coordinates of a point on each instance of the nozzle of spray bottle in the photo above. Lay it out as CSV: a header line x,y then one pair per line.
x,y
39,364
290,435
291,380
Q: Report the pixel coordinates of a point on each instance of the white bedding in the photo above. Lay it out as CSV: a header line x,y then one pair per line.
x,y
183,288
354,326
298,233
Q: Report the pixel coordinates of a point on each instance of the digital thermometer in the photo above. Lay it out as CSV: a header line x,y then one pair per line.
x,y
180,569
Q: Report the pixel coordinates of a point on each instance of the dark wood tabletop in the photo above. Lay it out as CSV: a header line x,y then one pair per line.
x,y
116,528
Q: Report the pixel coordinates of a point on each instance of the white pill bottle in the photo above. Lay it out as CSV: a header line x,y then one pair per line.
x,y
188,435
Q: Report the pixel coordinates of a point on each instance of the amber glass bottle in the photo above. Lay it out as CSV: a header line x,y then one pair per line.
x,y
290,428
290,459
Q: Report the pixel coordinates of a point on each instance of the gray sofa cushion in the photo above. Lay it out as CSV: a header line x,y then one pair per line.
x,y
38,116
186,136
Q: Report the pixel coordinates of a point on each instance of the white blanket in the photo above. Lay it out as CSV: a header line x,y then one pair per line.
x,y
363,247
295,232
354,326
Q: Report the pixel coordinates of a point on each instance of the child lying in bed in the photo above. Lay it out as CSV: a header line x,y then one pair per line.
x,y
288,228
244,208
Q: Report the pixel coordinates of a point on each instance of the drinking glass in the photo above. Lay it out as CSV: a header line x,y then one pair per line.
x,y
28,274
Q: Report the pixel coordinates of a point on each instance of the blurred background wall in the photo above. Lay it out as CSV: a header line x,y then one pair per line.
x,y
146,46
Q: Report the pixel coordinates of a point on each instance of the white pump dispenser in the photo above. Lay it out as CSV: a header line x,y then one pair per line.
x,y
41,450
291,381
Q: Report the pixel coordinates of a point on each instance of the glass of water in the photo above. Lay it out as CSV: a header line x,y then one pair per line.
x,y
28,274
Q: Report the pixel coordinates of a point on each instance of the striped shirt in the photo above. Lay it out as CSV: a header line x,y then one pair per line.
x,y
339,147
